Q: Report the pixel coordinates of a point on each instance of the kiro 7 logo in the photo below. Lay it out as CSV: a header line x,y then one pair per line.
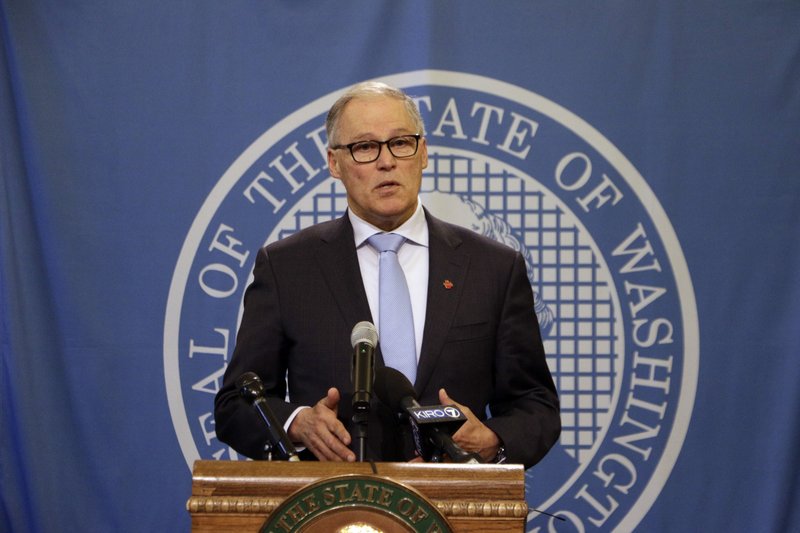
x,y
612,290
437,414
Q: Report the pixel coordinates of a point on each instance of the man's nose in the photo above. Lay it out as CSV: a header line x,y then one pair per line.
x,y
386,159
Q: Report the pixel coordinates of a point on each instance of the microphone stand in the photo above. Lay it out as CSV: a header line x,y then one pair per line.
x,y
251,388
273,444
360,420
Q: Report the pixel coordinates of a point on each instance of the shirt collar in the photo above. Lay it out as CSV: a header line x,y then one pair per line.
x,y
415,229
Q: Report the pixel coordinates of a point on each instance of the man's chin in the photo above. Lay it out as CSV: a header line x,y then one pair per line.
x,y
389,219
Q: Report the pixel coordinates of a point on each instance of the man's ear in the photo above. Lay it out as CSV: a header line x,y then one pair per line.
x,y
333,164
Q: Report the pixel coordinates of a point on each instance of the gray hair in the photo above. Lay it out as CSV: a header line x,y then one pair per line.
x,y
370,89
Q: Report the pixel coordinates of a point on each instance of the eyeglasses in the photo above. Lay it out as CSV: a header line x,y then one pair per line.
x,y
369,151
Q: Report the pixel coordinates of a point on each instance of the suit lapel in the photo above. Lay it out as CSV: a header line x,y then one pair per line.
x,y
338,263
447,270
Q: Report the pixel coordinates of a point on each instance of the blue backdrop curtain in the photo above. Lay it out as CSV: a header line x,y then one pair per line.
x,y
121,121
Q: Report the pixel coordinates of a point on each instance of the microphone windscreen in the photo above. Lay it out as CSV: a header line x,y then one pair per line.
x,y
246,379
250,386
364,332
392,387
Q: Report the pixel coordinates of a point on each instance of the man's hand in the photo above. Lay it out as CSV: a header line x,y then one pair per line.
x,y
473,436
321,432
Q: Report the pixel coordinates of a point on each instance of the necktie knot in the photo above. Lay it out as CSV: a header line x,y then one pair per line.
x,y
386,242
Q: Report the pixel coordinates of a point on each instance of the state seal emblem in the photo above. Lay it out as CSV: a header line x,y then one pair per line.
x,y
613,293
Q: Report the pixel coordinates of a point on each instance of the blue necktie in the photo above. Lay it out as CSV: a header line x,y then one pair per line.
x,y
397,342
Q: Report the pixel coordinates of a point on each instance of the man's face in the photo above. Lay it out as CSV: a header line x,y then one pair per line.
x,y
383,192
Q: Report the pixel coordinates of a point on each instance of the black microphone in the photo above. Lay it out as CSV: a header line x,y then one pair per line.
x,y
432,426
364,338
252,389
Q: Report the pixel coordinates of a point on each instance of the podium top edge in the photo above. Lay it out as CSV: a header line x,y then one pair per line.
x,y
211,467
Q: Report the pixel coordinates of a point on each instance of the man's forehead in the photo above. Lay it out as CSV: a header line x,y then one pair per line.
x,y
377,102
375,111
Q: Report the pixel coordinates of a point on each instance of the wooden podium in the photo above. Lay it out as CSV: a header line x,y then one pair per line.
x,y
388,497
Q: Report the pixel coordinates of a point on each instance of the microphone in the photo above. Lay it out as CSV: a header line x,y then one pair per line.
x,y
364,338
252,389
432,426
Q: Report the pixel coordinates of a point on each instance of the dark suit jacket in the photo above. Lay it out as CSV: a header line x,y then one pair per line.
x,y
481,340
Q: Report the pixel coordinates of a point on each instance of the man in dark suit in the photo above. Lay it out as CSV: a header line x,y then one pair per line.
x,y
476,335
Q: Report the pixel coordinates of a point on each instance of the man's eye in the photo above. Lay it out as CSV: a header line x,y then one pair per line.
x,y
363,147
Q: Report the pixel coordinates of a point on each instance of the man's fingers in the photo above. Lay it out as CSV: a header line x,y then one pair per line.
x,y
321,432
473,435
329,448
332,439
331,400
444,399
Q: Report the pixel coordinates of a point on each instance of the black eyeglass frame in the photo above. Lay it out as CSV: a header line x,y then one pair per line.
x,y
416,136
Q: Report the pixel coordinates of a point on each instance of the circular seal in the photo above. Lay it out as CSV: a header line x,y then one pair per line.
x,y
356,503
612,290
